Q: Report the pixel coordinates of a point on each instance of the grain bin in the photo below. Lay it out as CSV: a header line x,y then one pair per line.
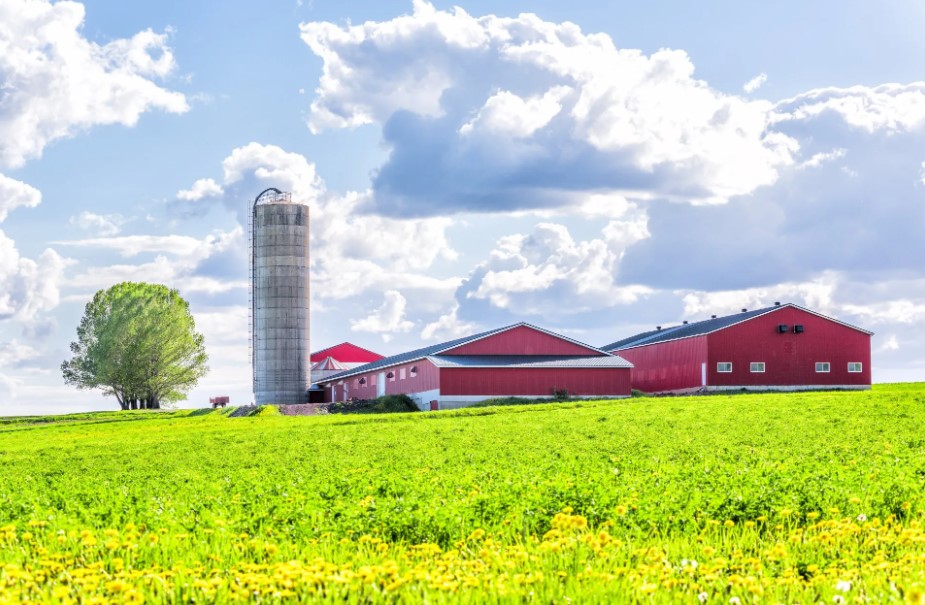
x,y
279,299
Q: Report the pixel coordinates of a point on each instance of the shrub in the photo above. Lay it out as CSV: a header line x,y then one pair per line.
x,y
386,404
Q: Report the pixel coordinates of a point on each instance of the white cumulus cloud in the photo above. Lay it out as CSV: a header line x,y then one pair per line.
x,y
388,319
200,189
28,287
57,83
755,83
16,194
557,110
102,224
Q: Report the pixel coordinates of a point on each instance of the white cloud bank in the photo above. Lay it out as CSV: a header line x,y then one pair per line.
x,y
515,112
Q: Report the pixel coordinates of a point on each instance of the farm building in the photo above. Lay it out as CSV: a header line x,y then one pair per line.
x,y
520,360
783,347
338,358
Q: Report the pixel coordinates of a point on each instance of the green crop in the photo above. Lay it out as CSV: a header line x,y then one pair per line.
x,y
805,497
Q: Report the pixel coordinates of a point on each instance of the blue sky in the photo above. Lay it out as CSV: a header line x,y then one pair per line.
x,y
594,168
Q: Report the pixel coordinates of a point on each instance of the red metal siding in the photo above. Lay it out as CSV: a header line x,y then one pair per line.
x,y
521,341
790,359
346,352
668,366
537,382
427,378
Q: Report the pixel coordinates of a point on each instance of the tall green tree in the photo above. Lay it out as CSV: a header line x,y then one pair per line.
x,y
137,341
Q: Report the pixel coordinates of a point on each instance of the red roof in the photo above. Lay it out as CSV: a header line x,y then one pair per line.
x,y
346,352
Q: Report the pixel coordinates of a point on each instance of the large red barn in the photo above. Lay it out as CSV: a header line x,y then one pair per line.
x,y
781,347
521,360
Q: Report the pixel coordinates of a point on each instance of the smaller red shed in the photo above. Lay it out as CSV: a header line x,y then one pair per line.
x,y
521,360
338,358
783,347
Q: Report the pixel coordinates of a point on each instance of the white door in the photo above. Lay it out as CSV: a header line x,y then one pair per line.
x,y
703,374
380,385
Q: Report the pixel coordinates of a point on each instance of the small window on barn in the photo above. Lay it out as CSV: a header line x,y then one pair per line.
x,y
823,367
414,370
724,367
401,374
756,367
855,366
391,376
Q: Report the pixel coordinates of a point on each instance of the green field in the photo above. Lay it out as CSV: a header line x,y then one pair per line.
x,y
748,498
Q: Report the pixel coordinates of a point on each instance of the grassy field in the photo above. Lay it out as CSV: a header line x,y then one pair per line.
x,y
723,499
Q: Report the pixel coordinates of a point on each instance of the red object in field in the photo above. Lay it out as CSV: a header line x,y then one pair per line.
x,y
779,347
220,401
434,405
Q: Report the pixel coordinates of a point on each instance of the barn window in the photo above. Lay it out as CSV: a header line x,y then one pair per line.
x,y
724,367
362,380
391,376
401,374
414,370
823,367
855,366
757,367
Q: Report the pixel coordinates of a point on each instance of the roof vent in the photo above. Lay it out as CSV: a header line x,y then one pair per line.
x,y
658,327
684,322
713,317
776,303
744,310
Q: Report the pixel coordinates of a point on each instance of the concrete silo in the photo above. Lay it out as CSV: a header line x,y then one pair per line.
x,y
279,299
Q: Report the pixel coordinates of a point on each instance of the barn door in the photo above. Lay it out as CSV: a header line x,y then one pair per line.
x,y
380,385
703,374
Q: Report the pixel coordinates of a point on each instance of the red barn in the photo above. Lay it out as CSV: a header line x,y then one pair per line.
x,y
783,347
515,361
338,358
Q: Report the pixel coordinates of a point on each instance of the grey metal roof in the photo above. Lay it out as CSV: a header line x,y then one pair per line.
x,y
527,361
443,346
699,328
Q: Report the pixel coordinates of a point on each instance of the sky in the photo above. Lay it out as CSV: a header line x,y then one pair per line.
x,y
594,168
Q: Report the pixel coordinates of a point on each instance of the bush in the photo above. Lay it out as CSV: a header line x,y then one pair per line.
x,y
387,404
638,393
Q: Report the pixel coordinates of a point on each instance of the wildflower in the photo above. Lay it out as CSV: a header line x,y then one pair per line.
x,y
702,597
735,601
729,523
838,599
862,517
621,510
843,586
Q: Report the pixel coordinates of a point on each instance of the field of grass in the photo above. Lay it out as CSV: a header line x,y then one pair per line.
x,y
809,498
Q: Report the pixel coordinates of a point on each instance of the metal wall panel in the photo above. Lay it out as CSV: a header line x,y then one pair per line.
x,y
501,382
669,366
427,378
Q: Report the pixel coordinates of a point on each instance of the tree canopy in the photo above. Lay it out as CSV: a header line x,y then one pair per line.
x,y
137,341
